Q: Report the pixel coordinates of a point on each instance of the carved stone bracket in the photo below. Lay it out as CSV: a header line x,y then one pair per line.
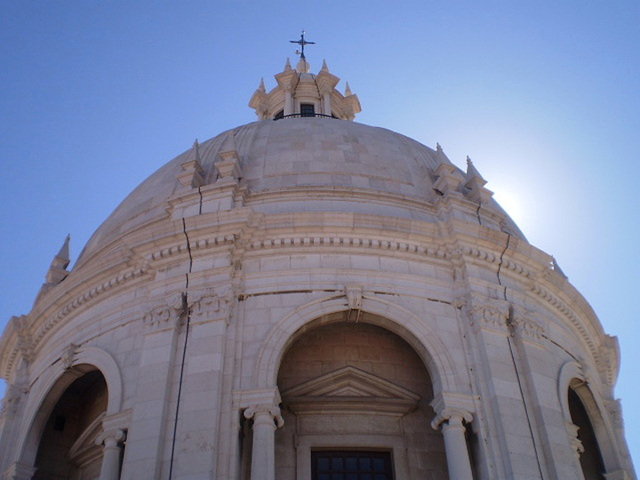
x,y
614,408
68,356
165,316
212,304
528,326
488,314
13,396
26,344
576,444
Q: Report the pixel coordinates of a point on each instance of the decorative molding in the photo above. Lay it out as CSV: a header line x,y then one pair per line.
x,y
213,303
488,314
26,343
527,325
348,391
562,307
576,444
354,296
265,409
614,408
448,414
164,316
607,360
12,398
343,241
89,295
68,356
493,258
193,246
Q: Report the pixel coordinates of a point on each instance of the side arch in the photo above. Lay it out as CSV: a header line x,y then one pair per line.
x,y
572,377
52,383
413,330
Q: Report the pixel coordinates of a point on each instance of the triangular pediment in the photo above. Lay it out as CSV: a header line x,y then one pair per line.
x,y
348,389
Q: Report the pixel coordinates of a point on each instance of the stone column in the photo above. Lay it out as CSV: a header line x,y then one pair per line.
x,y
266,418
111,454
288,102
19,471
327,102
455,443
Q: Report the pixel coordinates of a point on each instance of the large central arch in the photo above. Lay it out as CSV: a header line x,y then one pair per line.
x,y
419,333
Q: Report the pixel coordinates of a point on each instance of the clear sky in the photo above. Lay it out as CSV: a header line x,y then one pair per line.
x,y
542,95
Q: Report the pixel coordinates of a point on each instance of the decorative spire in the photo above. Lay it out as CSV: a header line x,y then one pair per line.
x,y
196,146
472,172
262,88
58,270
297,87
347,90
302,42
475,184
287,65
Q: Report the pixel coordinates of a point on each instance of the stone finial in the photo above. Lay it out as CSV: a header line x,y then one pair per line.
x,y
324,67
475,184
262,88
556,267
192,175
287,65
229,164
58,269
347,90
303,66
472,172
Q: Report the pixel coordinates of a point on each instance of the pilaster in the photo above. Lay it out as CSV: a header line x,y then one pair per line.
x,y
153,397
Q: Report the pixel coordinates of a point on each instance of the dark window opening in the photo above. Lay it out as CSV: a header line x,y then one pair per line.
x,y
351,465
307,110
591,459
279,115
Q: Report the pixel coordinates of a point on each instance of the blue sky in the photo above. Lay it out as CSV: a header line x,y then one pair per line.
x,y
542,95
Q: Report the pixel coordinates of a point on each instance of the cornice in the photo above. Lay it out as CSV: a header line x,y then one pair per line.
x,y
32,331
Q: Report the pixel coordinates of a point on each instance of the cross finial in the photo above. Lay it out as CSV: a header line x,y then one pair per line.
x,y
302,42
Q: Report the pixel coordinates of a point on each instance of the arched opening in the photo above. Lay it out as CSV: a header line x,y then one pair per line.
x,y
356,396
591,458
67,447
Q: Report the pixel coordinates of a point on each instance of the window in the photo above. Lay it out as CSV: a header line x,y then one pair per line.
x,y
279,115
307,110
351,465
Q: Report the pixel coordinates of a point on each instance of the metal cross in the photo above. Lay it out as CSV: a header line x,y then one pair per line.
x,y
302,42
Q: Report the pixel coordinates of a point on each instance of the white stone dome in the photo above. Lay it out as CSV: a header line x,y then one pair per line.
x,y
302,164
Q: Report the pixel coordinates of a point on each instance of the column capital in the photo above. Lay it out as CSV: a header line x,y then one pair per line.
x,y
273,411
451,417
111,437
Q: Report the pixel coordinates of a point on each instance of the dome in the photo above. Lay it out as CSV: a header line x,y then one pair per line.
x,y
297,287
302,164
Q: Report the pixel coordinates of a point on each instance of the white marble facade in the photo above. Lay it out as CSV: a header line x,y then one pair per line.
x,y
305,285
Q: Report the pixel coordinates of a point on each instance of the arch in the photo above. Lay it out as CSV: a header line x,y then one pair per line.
x,y
52,383
413,330
572,377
